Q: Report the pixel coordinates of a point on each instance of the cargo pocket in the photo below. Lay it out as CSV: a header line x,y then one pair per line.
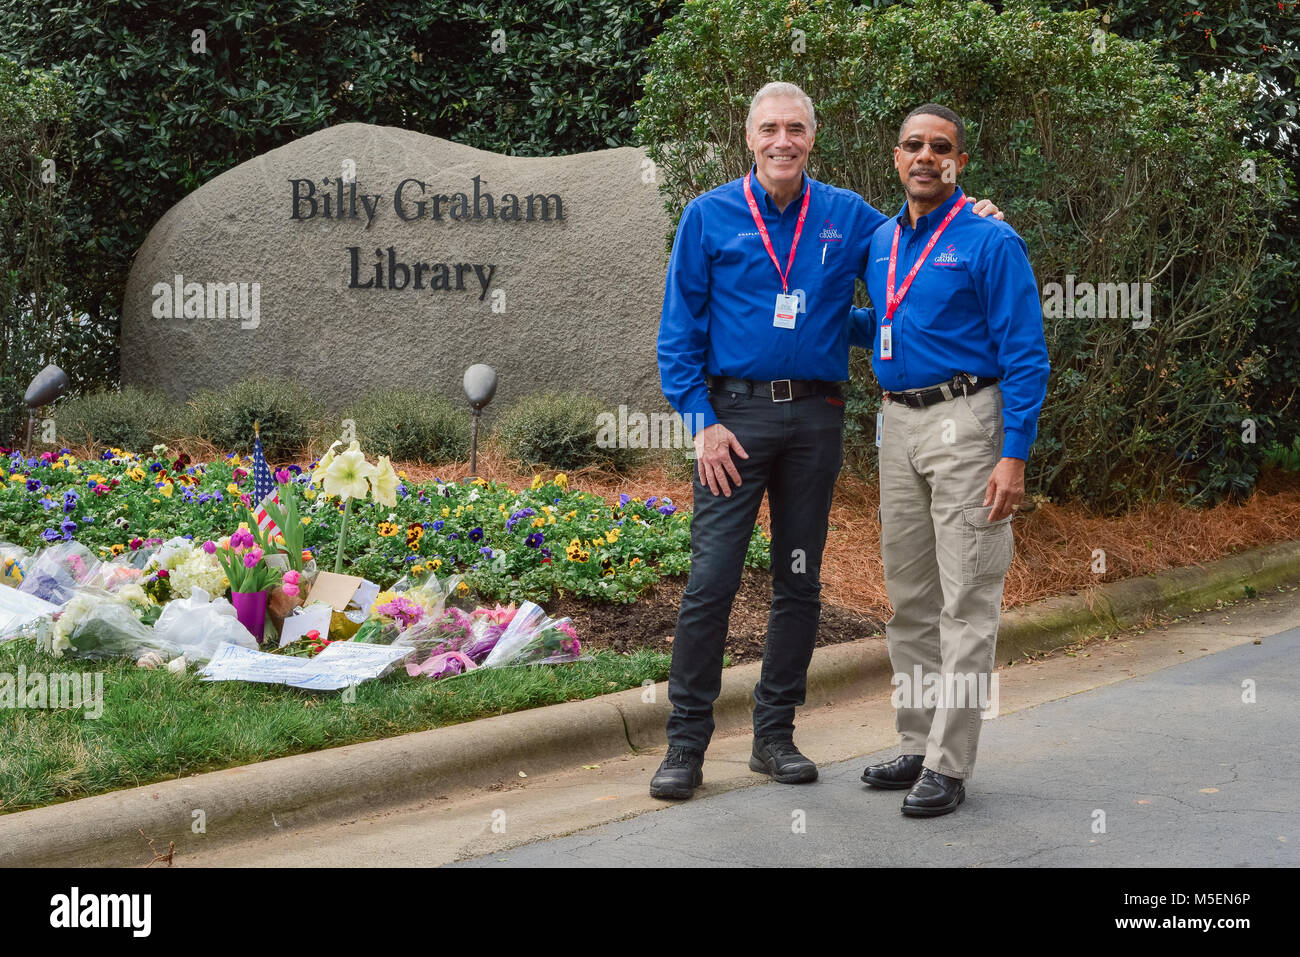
x,y
987,547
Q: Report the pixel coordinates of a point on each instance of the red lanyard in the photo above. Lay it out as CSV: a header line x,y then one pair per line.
x,y
891,299
767,240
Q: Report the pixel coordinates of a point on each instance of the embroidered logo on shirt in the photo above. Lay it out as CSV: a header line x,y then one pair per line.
x,y
948,257
830,234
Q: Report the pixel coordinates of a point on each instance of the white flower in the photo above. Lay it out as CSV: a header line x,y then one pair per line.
x,y
383,483
348,476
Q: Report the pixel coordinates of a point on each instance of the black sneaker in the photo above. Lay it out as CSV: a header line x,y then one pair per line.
x,y
680,774
782,760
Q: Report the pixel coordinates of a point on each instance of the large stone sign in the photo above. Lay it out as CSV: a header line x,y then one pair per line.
x,y
364,256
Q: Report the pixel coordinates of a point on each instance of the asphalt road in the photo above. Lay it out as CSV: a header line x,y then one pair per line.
x,y
1172,768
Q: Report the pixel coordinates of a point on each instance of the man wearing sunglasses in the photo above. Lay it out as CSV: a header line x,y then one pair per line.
x,y
956,333
753,346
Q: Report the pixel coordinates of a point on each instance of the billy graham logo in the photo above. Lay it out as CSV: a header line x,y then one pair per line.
x,y
948,257
830,234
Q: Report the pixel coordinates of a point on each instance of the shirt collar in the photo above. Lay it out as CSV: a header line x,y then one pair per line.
x,y
760,194
935,216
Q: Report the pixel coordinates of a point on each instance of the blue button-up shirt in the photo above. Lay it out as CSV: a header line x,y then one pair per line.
x,y
720,295
973,307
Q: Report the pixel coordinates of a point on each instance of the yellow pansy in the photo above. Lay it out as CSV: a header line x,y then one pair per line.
x,y
561,480
232,488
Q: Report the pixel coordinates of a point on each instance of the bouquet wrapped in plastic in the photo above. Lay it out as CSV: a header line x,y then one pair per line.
x,y
457,642
534,639
408,606
57,572
97,624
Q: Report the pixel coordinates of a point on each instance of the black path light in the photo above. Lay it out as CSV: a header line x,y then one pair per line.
x,y
50,383
480,384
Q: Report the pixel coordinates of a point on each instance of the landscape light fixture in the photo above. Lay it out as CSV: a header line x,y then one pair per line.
x,y
480,384
50,383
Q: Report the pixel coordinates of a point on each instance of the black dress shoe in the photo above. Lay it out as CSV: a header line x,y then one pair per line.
x,y
901,772
934,794
782,760
681,772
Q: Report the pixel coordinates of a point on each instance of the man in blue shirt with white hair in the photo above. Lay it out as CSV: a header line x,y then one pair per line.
x,y
753,347
956,333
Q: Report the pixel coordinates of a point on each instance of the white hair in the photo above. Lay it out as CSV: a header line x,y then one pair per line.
x,y
777,88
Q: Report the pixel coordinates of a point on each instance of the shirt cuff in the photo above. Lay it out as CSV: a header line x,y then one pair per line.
x,y
1015,444
697,420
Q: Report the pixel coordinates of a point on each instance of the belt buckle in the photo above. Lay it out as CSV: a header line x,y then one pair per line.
x,y
789,394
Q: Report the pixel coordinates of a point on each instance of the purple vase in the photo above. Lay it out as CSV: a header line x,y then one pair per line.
x,y
250,609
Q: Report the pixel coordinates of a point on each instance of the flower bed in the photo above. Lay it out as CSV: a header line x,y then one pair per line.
x,y
526,544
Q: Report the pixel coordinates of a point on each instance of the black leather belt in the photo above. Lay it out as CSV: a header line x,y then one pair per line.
x,y
961,384
781,390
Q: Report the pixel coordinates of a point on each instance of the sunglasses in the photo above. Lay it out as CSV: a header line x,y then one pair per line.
x,y
938,147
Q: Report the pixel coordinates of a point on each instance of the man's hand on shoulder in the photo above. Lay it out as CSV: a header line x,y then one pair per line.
x,y
1006,488
713,447
985,207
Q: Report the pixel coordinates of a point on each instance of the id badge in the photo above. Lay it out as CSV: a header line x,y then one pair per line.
x,y
886,342
787,308
880,428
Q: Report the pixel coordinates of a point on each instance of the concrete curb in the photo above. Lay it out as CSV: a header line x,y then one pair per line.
x,y
255,800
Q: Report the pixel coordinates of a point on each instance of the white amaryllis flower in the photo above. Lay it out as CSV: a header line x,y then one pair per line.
x,y
384,483
318,473
348,475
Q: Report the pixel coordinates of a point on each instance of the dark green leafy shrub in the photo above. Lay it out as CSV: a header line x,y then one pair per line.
x,y
410,426
133,419
286,413
560,430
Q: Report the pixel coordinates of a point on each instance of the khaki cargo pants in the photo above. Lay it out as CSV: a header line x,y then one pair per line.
x,y
944,570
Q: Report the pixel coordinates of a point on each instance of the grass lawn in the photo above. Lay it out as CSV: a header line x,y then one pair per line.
x,y
156,726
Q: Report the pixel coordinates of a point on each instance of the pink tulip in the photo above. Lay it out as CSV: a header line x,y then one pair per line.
x,y
250,560
210,547
290,589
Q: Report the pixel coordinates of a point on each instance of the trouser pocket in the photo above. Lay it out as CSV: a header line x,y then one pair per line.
x,y
987,547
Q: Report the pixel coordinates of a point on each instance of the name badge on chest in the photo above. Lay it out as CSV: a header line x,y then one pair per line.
x,y
787,308
886,342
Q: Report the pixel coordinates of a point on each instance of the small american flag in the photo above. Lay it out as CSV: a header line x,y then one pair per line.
x,y
263,486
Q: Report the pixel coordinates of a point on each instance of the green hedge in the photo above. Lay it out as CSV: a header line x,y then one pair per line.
x,y
561,430
409,426
133,419
287,414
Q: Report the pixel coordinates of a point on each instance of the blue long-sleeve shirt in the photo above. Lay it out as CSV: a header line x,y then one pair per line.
x,y
721,289
973,307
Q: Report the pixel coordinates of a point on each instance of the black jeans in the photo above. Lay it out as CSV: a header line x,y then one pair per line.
x,y
795,452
